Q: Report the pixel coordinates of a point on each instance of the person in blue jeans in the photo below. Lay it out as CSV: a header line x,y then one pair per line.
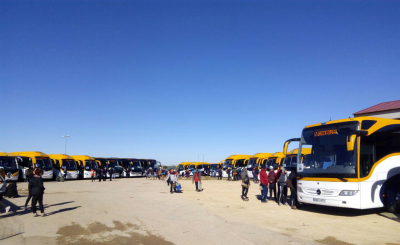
x,y
264,184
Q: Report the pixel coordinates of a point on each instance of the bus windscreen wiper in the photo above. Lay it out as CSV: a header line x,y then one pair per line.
x,y
336,177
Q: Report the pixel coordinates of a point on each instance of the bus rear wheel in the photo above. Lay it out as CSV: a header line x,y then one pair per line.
x,y
392,195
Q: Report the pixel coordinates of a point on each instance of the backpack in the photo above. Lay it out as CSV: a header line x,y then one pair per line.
x,y
282,178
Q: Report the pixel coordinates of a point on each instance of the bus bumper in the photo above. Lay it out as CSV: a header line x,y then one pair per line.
x,y
87,175
47,174
327,194
135,174
12,176
72,175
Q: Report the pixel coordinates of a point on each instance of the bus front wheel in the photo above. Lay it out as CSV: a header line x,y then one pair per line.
x,y
392,195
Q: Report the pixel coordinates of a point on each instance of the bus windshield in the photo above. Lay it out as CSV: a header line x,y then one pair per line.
x,y
136,164
152,164
214,166
272,162
90,164
252,163
113,164
290,161
191,167
43,162
69,164
199,166
329,156
228,164
8,163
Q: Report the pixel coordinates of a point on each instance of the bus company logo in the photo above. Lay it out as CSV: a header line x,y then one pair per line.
x,y
318,192
325,132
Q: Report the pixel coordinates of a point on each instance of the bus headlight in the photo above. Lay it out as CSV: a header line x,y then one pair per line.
x,y
347,193
299,189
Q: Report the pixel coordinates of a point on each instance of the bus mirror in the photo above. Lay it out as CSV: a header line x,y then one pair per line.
x,y
285,146
350,142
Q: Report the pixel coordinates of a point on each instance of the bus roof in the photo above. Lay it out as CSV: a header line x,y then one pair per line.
x,y
263,155
304,151
30,154
60,156
201,163
236,157
278,155
83,157
184,163
379,123
5,154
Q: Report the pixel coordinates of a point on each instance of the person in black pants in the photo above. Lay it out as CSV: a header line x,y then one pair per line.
x,y
220,174
104,174
36,188
111,173
99,173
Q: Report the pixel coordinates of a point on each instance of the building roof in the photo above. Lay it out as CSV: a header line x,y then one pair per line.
x,y
385,106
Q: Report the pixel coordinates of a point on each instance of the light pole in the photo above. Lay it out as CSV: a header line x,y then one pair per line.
x,y
66,137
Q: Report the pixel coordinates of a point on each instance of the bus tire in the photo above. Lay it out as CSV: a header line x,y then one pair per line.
x,y
392,195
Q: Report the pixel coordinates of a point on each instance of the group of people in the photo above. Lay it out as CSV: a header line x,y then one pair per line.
x,y
172,180
153,173
281,179
102,174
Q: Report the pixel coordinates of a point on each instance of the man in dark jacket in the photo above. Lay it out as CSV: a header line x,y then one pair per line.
x,y
292,185
272,183
111,173
36,188
220,174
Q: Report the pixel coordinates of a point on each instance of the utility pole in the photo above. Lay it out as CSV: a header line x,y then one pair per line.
x,y
66,137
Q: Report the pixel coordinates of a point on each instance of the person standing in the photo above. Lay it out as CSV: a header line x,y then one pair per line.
x,y
168,177
256,173
111,173
37,189
99,174
229,173
272,183
264,184
220,174
292,185
245,185
196,179
281,184
3,187
93,175
234,173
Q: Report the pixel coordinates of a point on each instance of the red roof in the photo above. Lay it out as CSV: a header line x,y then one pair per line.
x,y
385,106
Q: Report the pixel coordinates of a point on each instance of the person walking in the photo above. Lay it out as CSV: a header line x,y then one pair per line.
x,y
99,174
93,174
229,173
37,189
272,183
245,185
173,180
281,184
30,174
104,174
196,179
292,185
234,173
264,184
168,177
220,174
3,187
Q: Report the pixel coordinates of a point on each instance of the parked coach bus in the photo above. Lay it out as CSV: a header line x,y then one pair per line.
x,y
235,162
85,164
114,163
32,159
182,167
275,160
256,162
131,166
354,163
65,162
149,164
9,163
290,161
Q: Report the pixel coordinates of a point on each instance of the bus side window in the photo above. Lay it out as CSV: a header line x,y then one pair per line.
x,y
378,145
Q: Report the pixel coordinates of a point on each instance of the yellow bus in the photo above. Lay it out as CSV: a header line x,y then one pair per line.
x,y
354,163
9,163
85,165
275,160
34,159
235,162
203,167
290,160
181,167
257,161
65,162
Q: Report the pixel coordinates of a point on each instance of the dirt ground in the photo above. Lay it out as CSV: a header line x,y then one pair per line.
x,y
140,211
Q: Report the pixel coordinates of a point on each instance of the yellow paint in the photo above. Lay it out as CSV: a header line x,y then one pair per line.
x,y
31,154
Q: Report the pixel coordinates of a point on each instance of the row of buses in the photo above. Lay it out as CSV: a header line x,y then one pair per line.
x,y
17,165
350,163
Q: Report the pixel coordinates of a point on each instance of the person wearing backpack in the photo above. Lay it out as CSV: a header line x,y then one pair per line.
x,y
3,187
196,179
245,185
281,184
37,189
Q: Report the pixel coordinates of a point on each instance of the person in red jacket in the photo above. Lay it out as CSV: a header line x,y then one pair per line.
x,y
264,184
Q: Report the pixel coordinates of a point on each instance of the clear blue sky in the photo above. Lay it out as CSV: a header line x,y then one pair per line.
x,y
173,79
